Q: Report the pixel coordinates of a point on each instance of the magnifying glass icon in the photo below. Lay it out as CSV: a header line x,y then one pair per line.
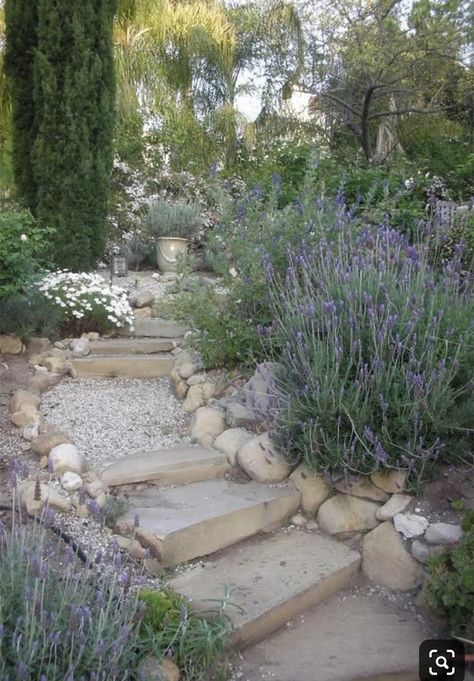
x,y
441,662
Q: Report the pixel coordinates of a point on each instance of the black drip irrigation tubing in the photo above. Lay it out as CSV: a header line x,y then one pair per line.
x,y
59,533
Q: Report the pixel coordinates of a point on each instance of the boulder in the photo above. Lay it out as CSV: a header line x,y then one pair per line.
x,y
259,390
313,487
443,533
35,495
66,457
43,444
186,370
361,487
152,669
410,524
392,481
36,346
134,548
196,379
239,416
206,425
396,504
387,562
143,313
42,382
142,299
93,336
30,432
198,396
95,488
420,551
179,387
260,460
10,345
71,482
22,399
183,357
80,347
55,365
25,417
345,513
230,441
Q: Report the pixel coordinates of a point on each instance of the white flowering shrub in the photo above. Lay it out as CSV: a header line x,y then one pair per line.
x,y
87,301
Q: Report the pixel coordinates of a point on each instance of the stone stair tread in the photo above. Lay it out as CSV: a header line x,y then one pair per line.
x,y
155,327
272,579
182,523
176,465
126,366
131,346
354,637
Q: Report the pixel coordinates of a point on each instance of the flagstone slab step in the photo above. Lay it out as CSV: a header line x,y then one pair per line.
x,y
131,346
182,523
177,465
273,579
126,366
353,637
155,327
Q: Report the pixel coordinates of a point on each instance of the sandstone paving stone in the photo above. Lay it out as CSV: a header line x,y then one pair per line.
x,y
181,523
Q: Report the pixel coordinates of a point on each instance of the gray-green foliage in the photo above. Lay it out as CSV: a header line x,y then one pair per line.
x,y
173,219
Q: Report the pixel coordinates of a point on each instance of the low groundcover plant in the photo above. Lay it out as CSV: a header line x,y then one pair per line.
x,y
375,354
87,301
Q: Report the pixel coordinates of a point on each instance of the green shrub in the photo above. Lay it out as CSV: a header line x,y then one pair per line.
x,y
197,642
23,248
59,619
173,219
376,355
30,314
450,585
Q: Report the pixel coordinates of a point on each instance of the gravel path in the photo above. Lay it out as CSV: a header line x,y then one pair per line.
x,y
113,418
138,281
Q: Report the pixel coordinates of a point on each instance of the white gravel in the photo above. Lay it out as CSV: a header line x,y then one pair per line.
x,y
112,418
138,281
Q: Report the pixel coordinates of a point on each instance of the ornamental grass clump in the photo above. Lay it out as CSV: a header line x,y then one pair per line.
x,y
376,355
86,301
59,619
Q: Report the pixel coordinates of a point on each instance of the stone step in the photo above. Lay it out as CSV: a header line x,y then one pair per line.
x,y
131,346
155,327
271,580
357,636
178,465
182,523
126,366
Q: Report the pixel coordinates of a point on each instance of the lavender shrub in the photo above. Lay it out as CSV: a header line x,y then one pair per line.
x,y
376,354
60,620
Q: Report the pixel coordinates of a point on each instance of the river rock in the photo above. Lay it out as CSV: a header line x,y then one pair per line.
x,y
392,481
396,504
206,425
43,444
186,370
230,441
143,299
47,495
443,533
22,399
260,460
71,482
387,562
152,669
178,385
410,524
66,457
345,513
10,345
80,347
313,487
361,487
198,396
239,416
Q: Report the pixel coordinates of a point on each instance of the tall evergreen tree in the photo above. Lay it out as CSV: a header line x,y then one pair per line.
x,y
20,32
72,102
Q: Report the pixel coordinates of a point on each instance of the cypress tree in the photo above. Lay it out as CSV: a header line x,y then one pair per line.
x,y
20,34
73,102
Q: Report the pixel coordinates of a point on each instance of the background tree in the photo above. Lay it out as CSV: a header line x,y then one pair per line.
x,y
373,63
